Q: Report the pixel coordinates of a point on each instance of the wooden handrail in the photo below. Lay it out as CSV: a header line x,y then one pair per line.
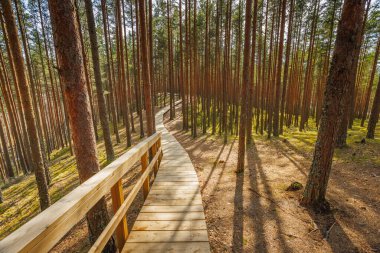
x,y
45,230
111,227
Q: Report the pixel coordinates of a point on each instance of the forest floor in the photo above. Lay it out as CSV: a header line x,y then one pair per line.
x,y
253,211
245,212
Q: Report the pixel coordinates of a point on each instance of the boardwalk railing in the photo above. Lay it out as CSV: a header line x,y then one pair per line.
x,y
45,230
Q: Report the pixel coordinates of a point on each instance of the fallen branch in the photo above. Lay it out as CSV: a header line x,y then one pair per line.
x,y
329,230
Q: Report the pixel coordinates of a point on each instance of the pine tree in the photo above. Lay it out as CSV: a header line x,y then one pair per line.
x,y
336,95
71,70
98,80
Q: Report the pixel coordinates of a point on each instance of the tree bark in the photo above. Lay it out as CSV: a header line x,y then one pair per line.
x,y
71,70
374,117
276,112
336,94
245,85
145,70
369,89
98,81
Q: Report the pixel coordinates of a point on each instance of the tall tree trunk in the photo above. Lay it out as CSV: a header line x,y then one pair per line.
x,y
71,70
341,140
145,70
33,86
98,80
15,47
109,72
136,63
336,94
245,85
8,163
252,76
122,77
374,117
276,112
170,60
286,65
371,80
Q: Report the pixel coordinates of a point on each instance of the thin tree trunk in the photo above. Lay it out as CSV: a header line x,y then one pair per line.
x,y
245,85
109,73
98,81
146,70
371,80
374,117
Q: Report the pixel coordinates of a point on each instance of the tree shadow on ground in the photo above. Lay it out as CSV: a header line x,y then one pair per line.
x,y
333,233
256,209
351,198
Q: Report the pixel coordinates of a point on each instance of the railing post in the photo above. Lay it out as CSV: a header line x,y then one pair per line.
x,y
154,152
121,231
161,154
144,165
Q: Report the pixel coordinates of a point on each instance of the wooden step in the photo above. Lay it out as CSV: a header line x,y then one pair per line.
x,y
173,225
182,247
166,209
168,236
171,216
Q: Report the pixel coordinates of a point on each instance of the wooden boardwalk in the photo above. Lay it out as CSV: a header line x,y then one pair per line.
x,y
172,218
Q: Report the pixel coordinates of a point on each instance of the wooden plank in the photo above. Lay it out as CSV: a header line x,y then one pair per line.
x,y
175,173
176,183
148,225
168,236
178,174
175,169
171,216
177,157
174,196
174,191
176,179
186,166
166,209
172,202
183,247
175,187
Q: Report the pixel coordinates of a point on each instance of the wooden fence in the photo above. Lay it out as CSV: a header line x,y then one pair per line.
x,y
45,230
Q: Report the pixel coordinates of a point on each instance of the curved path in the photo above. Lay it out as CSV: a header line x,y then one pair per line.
x,y
172,218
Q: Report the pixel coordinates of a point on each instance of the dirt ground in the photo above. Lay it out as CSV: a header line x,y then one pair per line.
x,y
253,212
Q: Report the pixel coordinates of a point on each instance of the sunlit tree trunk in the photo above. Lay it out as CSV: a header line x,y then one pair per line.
x,y
245,85
336,94
374,117
98,81
68,49
109,72
371,80
145,70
